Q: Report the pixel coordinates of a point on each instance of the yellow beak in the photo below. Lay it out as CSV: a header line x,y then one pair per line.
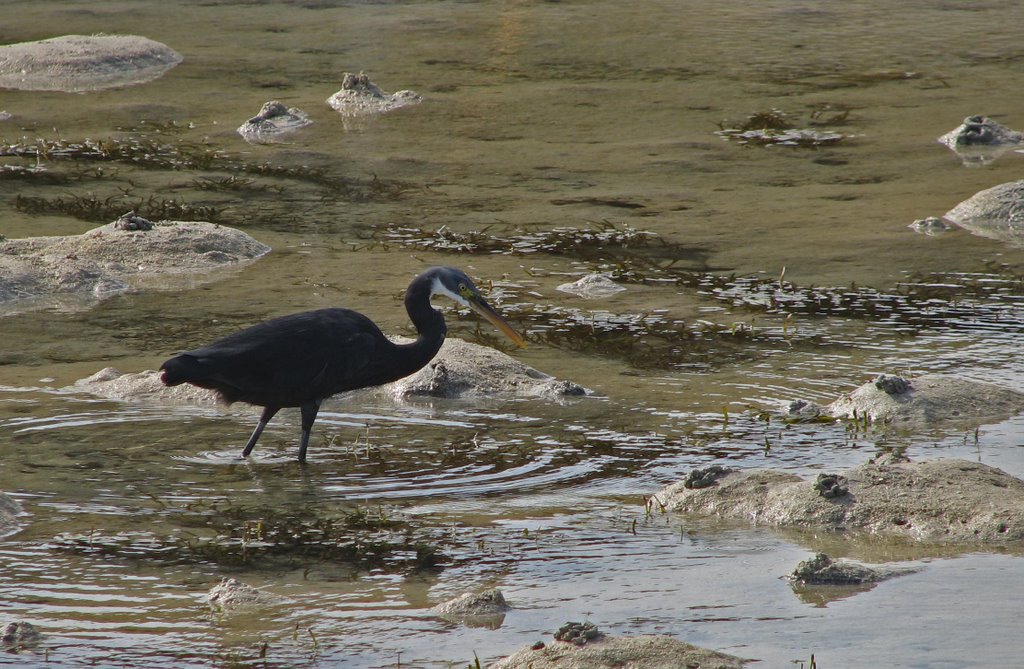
x,y
481,307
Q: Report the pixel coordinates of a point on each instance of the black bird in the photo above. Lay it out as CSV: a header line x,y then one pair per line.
x,y
302,359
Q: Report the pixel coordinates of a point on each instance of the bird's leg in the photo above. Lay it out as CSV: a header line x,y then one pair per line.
x,y
309,412
268,413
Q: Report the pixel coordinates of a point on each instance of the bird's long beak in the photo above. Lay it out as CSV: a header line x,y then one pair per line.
x,y
481,307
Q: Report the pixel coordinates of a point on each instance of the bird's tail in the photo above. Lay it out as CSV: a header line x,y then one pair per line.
x,y
179,369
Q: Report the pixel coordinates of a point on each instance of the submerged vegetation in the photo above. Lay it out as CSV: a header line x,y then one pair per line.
x,y
775,127
650,340
90,207
223,188
120,171
597,241
263,537
654,339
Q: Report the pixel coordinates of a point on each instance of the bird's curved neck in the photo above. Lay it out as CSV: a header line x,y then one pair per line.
x,y
429,323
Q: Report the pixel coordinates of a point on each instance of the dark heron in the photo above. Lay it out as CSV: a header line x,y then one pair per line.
x,y
302,359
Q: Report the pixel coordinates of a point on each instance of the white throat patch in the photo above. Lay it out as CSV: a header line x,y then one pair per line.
x,y
438,288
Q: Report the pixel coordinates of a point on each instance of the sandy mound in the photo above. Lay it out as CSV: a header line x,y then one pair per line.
x,y
142,387
640,652
9,510
934,501
361,97
233,595
592,286
918,402
475,609
117,257
273,122
77,63
996,213
460,369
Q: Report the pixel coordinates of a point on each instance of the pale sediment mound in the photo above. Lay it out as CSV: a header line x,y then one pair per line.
x,y
979,140
475,609
118,257
78,63
945,501
231,595
273,121
9,510
461,369
18,637
931,226
361,97
592,286
142,387
918,402
487,602
639,652
979,130
996,213
823,570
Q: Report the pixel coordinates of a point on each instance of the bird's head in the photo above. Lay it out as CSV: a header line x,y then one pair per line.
x,y
454,283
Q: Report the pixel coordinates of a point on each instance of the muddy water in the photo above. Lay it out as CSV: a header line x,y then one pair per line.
x,y
537,116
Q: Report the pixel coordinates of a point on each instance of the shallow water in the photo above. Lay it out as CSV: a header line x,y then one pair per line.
x,y
538,116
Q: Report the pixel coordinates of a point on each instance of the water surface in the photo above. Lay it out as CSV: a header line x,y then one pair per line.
x,y
537,117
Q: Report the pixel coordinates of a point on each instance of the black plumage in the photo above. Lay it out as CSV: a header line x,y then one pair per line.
x,y
301,359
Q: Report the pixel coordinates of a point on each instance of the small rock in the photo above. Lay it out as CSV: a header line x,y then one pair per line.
x,y
579,634
995,213
702,478
926,400
474,603
592,286
831,486
475,609
15,637
931,226
132,221
939,501
273,120
483,603
892,385
360,97
823,570
981,130
802,410
463,369
104,261
231,594
141,387
979,140
9,511
77,63
608,652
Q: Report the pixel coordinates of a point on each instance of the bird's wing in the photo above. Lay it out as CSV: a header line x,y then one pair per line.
x,y
292,356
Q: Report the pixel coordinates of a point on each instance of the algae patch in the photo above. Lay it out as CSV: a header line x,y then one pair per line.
x,y
262,537
130,170
774,127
